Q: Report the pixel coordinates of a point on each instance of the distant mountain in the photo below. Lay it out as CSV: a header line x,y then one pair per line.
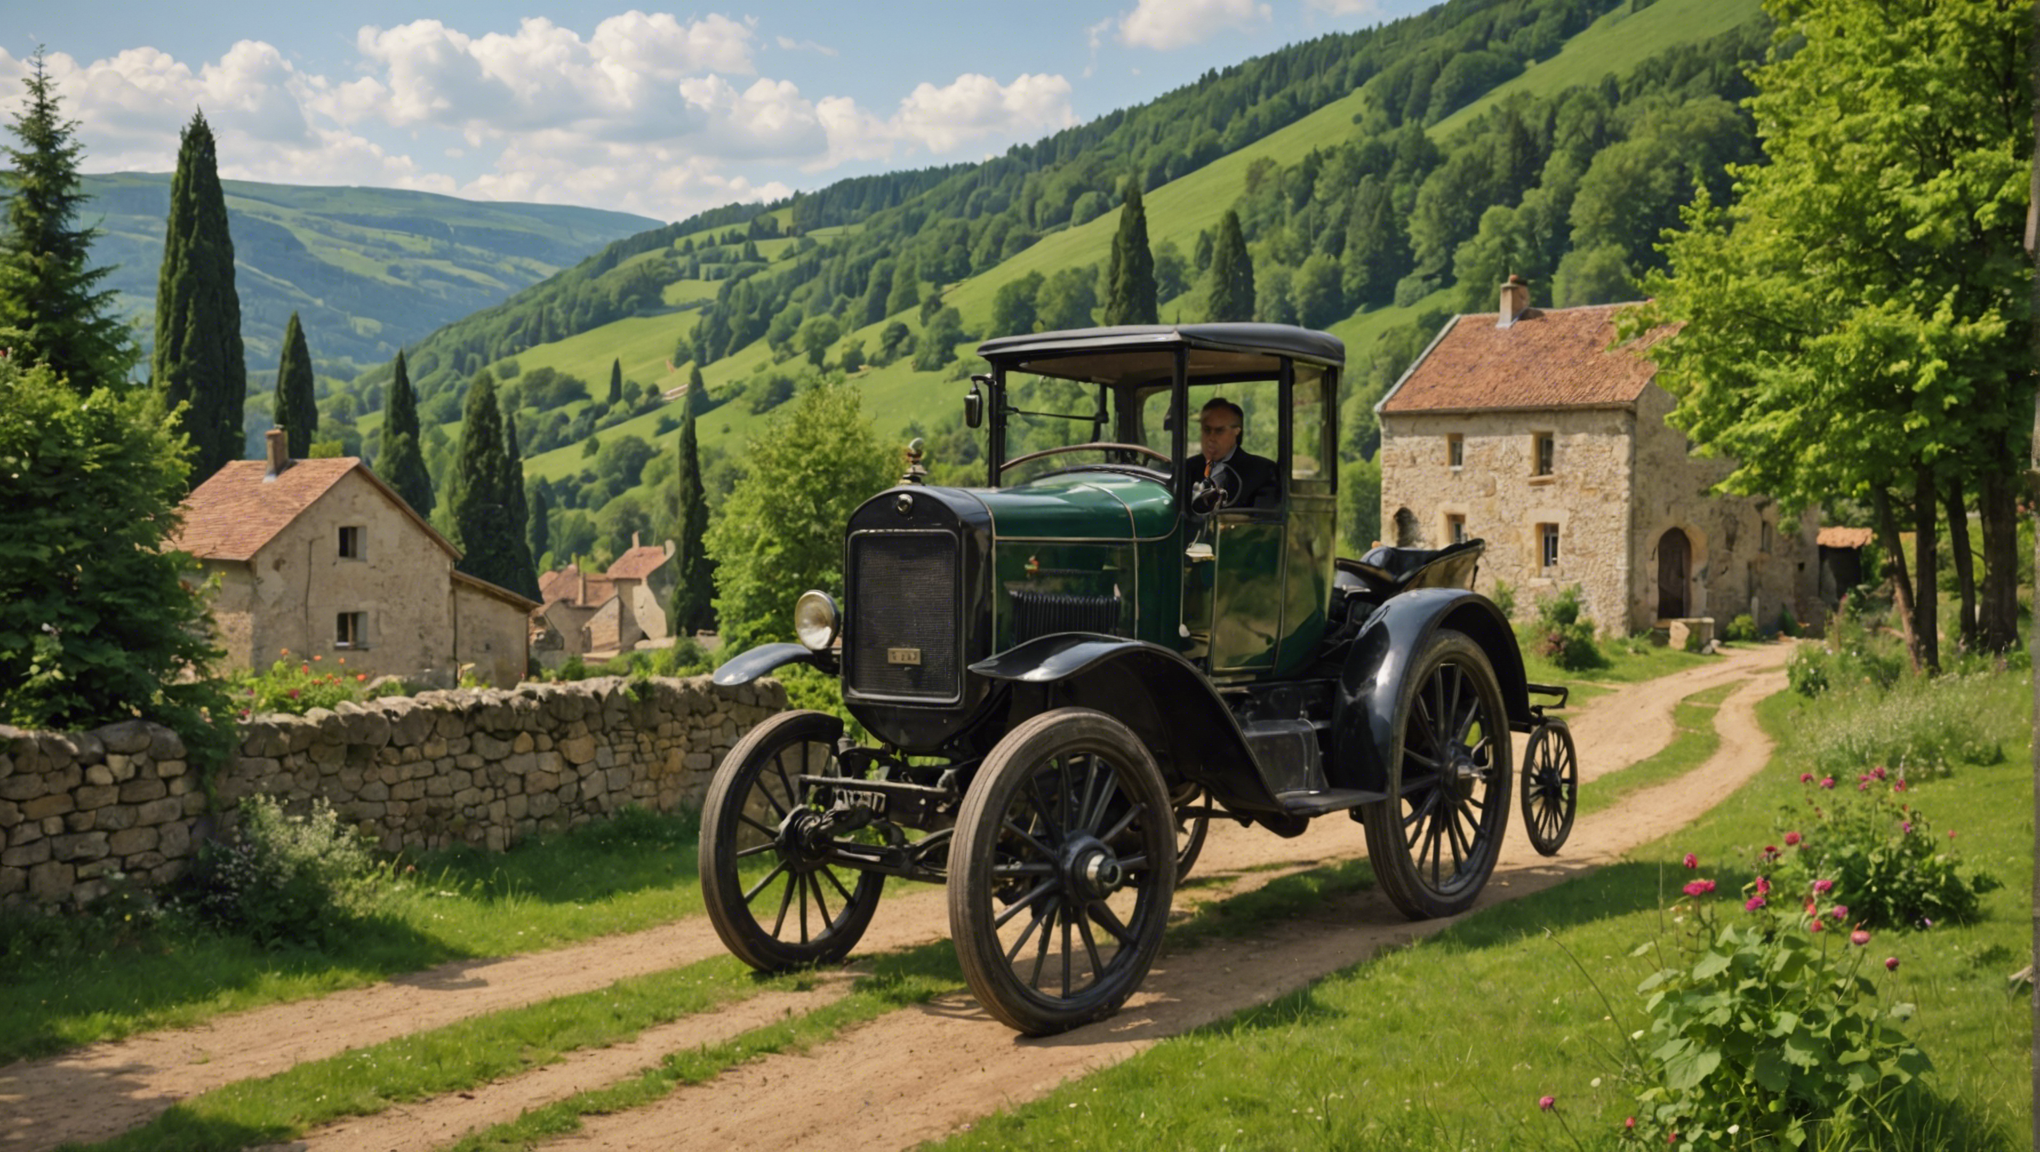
x,y
367,269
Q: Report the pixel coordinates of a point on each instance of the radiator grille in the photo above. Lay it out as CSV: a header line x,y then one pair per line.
x,y
904,596
1042,613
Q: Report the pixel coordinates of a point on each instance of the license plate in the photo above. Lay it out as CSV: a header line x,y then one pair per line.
x,y
903,656
857,798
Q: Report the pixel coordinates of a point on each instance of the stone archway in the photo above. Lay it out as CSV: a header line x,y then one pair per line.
x,y
1674,574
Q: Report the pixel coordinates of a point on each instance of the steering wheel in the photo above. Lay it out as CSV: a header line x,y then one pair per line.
x,y
1093,446
1208,495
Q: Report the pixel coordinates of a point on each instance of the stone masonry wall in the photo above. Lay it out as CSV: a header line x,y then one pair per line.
x,y
482,767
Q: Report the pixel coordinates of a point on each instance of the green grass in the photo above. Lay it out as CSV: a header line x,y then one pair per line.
x,y
1629,660
1449,1043
1694,741
80,983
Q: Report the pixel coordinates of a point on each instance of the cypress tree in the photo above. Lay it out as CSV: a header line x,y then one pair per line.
x,y
297,401
906,288
694,592
52,310
697,392
538,532
488,522
1130,279
403,461
510,483
1231,293
615,382
199,360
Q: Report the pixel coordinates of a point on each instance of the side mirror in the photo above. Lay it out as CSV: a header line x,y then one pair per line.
x,y
974,402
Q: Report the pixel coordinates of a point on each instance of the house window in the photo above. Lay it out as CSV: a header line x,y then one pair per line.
x,y
1455,527
1547,544
351,543
350,630
1543,454
1455,450
1766,544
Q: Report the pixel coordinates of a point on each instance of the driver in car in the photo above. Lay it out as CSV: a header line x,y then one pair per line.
x,y
1243,480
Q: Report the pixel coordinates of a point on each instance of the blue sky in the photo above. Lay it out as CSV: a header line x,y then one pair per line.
x,y
659,111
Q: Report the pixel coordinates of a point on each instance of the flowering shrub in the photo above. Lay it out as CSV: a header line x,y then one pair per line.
x,y
283,880
1766,1032
1563,636
1868,842
296,686
1851,656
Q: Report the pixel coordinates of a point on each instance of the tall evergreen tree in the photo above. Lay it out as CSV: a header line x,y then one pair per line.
x,y
52,310
297,401
403,461
1130,279
538,531
488,521
615,382
1231,292
510,482
906,288
697,392
199,360
694,593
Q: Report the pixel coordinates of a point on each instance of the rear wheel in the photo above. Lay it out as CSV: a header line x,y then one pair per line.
x,y
1551,786
1434,841
1062,871
1193,824
772,896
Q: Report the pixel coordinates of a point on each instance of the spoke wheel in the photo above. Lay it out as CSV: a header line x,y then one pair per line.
x,y
1062,871
1191,827
772,899
1433,842
1551,786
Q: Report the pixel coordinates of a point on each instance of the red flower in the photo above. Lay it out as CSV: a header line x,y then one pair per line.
x,y
1792,839
1823,886
1692,861
1827,781
1806,777
1859,937
1699,887
1753,903
1763,886
1891,963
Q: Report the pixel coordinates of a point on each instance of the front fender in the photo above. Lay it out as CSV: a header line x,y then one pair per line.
x,y
1154,691
747,666
1363,714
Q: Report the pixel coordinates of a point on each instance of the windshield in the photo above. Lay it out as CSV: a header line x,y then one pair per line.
x,y
1053,425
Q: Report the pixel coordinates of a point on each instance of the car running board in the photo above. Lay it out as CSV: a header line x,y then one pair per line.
x,y
1325,800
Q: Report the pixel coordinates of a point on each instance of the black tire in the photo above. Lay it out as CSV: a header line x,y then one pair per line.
x,y
1551,786
1433,843
802,911
1191,827
1062,871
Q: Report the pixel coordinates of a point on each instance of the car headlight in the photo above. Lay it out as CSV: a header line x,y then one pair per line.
x,y
815,620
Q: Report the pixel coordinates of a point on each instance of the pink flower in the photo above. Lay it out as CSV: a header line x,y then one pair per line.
x,y
1891,963
1630,1123
1898,787
1547,1103
1877,772
1906,827
1792,839
1839,912
1692,861
1699,887
1827,781
1816,926
1951,833
1823,886
1753,903
1763,886
1859,937
1863,786
1806,777
1770,853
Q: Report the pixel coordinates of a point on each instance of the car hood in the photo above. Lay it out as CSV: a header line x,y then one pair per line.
x,y
1090,505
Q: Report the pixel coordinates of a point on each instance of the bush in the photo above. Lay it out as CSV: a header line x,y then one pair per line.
x,y
1919,727
1852,655
1564,636
1742,628
296,687
283,881
1504,597
1869,853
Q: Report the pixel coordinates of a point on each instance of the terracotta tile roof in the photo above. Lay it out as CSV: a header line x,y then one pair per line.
x,y
514,599
565,584
232,515
638,563
1845,537
1549,358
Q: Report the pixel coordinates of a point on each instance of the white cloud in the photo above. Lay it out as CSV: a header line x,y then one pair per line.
x,y
975,106
1164,25
792,45
1363,9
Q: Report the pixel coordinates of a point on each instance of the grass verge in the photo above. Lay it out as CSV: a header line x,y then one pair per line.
x,y
1693,741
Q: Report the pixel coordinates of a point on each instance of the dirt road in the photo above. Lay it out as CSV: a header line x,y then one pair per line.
x,y
906,1077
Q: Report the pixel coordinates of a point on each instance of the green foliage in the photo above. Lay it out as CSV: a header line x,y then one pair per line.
x,y
1229,289
1765,1031
199,361
1564,636
693,605
53,309
489,512
283,881
1921,726
297,403
1504,597
1741,630
781,530
295,686
1359,505
1866,856
1130,276
1850,655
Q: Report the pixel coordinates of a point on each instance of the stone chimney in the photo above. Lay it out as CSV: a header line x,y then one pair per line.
x,y
1515,300
634,541
278,443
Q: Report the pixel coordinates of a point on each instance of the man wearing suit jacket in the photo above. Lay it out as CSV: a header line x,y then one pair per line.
x,y
1246,480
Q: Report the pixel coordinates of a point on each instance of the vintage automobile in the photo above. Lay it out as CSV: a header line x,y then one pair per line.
x,y
1067,673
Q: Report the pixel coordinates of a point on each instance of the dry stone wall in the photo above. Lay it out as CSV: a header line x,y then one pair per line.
x,y
481,767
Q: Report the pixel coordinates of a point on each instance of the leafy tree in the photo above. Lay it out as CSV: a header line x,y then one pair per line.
x,y
622,460
781,530
818,335
852,357
52,310
621,519
1359,505
1013,305
489,519
906,288
1130,276
1231,292
1066,299
1172,272
402,464
1377,251
939,341
1855,324
693,606
297,401
1316,289
199,361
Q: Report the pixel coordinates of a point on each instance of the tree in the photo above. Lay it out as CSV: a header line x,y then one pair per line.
x,y
1013,305
781,530
1130,276
1066,299
817,335
615,383
906,288
1231,292
693,605
510,482
199,361
297,401
697,392
52,310
538,530
489,521
402,463
939,341
1854,323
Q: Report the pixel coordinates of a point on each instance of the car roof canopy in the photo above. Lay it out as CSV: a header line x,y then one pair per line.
x,y
1143,352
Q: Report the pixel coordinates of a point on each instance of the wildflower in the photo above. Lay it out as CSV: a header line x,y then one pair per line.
x,y
1877,773
1753,903
1547,1103
1823,886
1926,922
1806,777
1839,912
1906,827
1859,937
1763,886
1951,833
1816,926
1699,887
286,651
1827,782
1891,963
316,659
1692,861
293,693
1899,787
360,676
1630,1123
1792,839
1863,786
1770,853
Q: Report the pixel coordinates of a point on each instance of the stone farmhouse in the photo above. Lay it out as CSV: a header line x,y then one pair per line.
x,y
321,558
617,611
1530,428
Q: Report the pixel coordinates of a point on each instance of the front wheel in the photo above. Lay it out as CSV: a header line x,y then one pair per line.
x,y
1434,841
1551,786
1062,871
772,896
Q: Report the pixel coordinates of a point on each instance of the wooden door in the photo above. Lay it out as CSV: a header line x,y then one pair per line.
x,y
1674,569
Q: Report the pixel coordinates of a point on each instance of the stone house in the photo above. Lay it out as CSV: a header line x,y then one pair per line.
x,y
1530,428
621,609
321,558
